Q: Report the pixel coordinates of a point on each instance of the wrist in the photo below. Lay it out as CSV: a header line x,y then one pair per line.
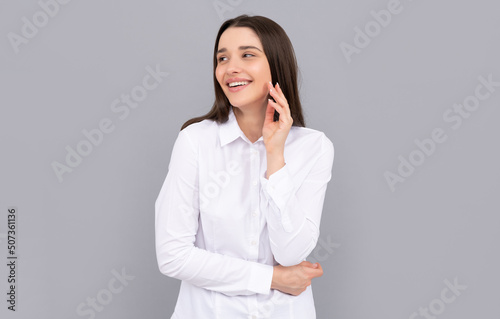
x,y
275,282
275,152
274,164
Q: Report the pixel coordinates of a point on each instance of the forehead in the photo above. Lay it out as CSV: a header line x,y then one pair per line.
x,y
234,37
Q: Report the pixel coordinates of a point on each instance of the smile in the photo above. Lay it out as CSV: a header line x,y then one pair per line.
x,y
238,83
238,86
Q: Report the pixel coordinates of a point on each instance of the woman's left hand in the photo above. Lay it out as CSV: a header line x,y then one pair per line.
x,y
275,133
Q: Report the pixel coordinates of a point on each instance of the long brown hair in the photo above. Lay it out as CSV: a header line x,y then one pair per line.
x,y
282,63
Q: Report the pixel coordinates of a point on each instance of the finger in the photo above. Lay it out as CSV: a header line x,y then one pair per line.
x,y
269,113
308,264
276,93
315,270
277,107
279,97
270,86
278,88
319,271
314,273
285,119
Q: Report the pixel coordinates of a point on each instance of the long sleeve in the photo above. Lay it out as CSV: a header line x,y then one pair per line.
x,y
176,228
295,204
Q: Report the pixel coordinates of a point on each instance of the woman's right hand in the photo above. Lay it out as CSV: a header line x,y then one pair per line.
x,y
294,280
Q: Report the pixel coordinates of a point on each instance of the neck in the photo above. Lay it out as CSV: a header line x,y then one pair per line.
x,y
250,121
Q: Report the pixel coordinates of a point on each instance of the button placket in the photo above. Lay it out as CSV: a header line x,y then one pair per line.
x,y
254,199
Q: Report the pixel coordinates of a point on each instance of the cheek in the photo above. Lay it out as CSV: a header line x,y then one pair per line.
x,y
219,75
263,72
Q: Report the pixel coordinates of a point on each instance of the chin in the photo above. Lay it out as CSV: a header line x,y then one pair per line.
x,y
244,103
237,103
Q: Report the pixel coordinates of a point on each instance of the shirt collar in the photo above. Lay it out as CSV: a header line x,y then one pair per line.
x,y
230,130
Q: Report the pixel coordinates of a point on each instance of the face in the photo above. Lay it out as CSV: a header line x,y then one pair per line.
x,y
242,68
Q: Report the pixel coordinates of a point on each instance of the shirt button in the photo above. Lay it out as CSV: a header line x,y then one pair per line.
x,y
254,183
253,243
254,214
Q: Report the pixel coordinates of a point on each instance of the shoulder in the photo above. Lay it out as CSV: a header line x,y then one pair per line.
x,y
199,132
310,139
187,144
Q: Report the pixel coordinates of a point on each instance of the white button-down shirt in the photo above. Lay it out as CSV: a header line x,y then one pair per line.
x,y
221,225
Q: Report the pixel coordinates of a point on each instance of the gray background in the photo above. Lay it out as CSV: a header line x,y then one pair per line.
x,y
385,253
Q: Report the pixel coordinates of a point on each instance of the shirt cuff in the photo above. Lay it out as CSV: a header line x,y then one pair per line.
x,y
261,278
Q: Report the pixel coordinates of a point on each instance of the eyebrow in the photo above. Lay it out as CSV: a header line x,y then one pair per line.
x,y
244,47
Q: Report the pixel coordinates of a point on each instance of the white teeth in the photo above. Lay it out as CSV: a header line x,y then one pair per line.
x,y
233,84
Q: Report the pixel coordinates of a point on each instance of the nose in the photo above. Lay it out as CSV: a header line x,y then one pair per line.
x,y
233,66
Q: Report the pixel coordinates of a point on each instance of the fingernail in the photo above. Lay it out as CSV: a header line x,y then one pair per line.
x,y
277,84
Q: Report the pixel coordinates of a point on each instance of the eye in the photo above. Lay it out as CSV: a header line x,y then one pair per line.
x,y
221,58
250,54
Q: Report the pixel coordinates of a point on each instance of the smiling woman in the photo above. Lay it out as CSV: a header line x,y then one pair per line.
x,y
243,67
241,205
280,56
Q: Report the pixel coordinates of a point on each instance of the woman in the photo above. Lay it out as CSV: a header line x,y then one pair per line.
x,y
240,208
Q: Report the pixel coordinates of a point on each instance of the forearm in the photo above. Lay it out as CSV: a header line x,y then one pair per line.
x,y
292,234
295,195
229,275
288,248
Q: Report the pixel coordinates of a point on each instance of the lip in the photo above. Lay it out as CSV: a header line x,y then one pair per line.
x,y
238,88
